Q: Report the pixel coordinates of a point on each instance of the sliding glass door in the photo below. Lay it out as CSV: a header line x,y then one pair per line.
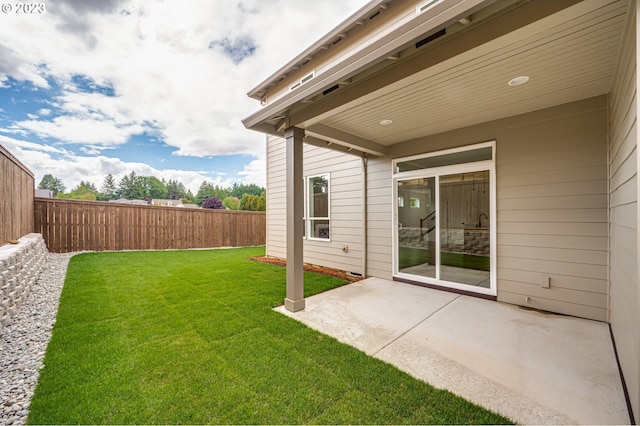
x,y
445,216
417,227
465,231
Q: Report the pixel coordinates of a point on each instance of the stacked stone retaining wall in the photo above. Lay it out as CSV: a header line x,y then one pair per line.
x,y
20,267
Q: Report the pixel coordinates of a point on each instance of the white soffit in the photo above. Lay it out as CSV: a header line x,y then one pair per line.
x,y
568,56
386,41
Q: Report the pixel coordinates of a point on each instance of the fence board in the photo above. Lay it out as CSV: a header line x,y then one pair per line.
x,y
69,225
16,198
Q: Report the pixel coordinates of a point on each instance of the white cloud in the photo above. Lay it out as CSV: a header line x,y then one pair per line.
x,y
15,145
177,70
158,61
93,149
82,130
71,169
255,171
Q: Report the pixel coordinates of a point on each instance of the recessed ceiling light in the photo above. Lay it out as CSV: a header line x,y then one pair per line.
x,y
386,122
518,80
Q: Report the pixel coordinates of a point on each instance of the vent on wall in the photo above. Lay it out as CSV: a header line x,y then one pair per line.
x,y
431,38
331,89
303,80
426,6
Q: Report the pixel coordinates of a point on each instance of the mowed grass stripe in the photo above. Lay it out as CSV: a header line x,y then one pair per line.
x,y
190,337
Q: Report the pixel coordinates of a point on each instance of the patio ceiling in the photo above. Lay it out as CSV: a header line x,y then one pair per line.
x,y
568,55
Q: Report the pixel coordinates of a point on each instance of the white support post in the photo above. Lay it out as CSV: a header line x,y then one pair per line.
x,y
294,300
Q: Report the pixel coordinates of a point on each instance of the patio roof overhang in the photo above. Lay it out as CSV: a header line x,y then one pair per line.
x,y
568,49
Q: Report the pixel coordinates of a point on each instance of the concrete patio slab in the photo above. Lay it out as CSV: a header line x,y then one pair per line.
x,y
533,367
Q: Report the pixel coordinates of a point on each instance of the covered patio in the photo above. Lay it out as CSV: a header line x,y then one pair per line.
x,y
531,366
531,95
535,102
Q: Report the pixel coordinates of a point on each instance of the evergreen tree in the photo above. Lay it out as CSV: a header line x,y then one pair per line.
x,y
190,197
207,190
130,187
220,192
51,183
175,190
109,189
89,185
238,190
254,203
261,204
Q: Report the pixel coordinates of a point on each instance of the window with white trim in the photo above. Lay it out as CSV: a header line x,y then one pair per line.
x,y
318,207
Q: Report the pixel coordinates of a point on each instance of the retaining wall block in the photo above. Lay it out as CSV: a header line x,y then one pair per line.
x,y
5,318
20,268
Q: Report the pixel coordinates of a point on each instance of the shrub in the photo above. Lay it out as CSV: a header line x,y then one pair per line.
x,y
213,203
253,203
232,203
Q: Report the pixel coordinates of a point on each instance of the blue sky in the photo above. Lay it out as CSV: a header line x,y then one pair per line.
x,y
92,87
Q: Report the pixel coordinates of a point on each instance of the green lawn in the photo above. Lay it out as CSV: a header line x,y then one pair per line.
x,y
190,337
410,256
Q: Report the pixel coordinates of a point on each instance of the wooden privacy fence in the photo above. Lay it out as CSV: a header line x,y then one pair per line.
x,y
68,225
16,198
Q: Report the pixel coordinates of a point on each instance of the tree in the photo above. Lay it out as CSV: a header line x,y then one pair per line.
x,y
51,183
207,190
261,204
212,203
253,203
189,196
84,191
238,190
232,203
108,191
246,201
89,185
175,190
130,187
153,187
320,185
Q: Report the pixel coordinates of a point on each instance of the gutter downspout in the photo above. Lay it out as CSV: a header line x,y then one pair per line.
x,y
364,215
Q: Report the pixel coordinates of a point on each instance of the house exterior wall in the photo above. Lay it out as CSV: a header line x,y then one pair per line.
x,y
346,191
623,172
552,205
552,200
567,196
379,218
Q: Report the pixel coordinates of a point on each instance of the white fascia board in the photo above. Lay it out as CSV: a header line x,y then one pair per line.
x,y
371,53
365,10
